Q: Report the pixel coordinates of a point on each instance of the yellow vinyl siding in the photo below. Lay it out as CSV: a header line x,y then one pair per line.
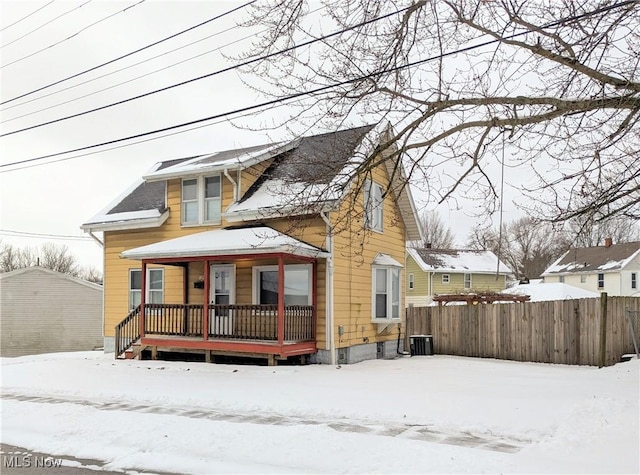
x,y
479,282
248,176
354,251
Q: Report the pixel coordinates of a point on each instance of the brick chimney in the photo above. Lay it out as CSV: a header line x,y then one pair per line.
x,y
608,242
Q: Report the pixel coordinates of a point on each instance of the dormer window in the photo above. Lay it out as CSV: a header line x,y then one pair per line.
x,y
201,200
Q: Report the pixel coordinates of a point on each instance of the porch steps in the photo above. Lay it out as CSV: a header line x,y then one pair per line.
x,y
134,352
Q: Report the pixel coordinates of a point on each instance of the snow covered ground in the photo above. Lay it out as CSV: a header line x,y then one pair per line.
x,y
411,415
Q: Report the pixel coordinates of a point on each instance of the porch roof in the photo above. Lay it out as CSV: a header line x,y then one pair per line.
x,y
223,242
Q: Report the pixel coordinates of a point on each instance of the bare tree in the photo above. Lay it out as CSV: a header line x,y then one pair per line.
x,y
13,257
436,233
50,256
549,88
59,259
587,231
526,245
91,274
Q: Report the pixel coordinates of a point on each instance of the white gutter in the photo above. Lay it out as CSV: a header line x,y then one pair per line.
x,y
331,343
233,182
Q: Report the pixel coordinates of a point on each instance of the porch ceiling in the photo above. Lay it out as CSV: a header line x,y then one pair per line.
x,y
223,242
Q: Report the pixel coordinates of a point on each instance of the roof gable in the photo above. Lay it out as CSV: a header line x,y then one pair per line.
x,y
44,270
458,261
595,259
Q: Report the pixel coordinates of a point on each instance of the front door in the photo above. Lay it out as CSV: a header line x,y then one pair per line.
x,y
222,293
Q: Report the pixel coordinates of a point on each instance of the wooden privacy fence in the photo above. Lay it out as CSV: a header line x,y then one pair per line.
x,y
580,332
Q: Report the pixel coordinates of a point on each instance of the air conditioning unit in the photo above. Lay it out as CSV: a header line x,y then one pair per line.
x,y
421,345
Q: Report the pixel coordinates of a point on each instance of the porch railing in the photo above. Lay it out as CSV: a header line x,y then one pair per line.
x,y
237,322
127,331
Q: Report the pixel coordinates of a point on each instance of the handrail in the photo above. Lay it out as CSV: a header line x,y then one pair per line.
x,y
127,332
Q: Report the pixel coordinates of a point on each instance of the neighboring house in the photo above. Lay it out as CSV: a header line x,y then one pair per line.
x,y
450,271
612,268
544,292
286,251
42,311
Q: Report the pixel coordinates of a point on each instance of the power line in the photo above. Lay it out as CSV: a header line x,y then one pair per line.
x,y
27,16
123,82
73,35
46,23
199,78
322,88
66,237
129,54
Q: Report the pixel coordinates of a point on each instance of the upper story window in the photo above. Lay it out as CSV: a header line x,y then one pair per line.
x,y
601,281
583,279
634,280
201,200
446,278
561,279
411,281
467,281
373,206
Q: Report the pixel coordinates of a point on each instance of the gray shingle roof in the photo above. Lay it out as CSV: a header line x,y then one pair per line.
x,y
316,159
594,259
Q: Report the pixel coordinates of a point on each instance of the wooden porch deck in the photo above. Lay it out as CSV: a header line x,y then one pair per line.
x,y
232,329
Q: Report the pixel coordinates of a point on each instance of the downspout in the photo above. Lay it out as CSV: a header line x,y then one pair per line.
x,y
95,238
329,290
234,183
431,285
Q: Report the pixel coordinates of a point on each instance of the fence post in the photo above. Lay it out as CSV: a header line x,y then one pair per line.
x,y
603,329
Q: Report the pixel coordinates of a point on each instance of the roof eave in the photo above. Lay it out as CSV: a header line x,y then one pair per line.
x,y
273,213
141,223
286,249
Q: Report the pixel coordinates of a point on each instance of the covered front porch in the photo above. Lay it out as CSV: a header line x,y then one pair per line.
x,y
249,291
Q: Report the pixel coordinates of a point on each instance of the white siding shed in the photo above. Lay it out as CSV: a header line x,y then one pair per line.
x,y
42,311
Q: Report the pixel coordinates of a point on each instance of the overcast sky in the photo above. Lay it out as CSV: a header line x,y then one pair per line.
x,y
55,198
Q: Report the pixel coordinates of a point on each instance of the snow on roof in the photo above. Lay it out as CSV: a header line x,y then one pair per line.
x,y
547,291
458,260
595,259
44,270
255,240
385,260
219,161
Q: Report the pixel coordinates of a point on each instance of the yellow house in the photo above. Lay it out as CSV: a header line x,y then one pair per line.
x,y
431,272
277,251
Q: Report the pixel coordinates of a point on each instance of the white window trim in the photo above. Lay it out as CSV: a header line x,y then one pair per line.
x,y
634,280
583,279
561,279
598,280
255,292
373,212
201,200
464,277
389,290
446,278
148,289
411,281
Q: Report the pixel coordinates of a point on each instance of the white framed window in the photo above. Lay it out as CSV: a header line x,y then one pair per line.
x,y
601,281
201,200
446,278
411,281
155,286
583,279
467,281
386,293
373,206
561,279
634,280
297,285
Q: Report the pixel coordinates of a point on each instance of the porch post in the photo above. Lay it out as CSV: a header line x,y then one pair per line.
x,y
205,308
280,299
143,293
314,297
